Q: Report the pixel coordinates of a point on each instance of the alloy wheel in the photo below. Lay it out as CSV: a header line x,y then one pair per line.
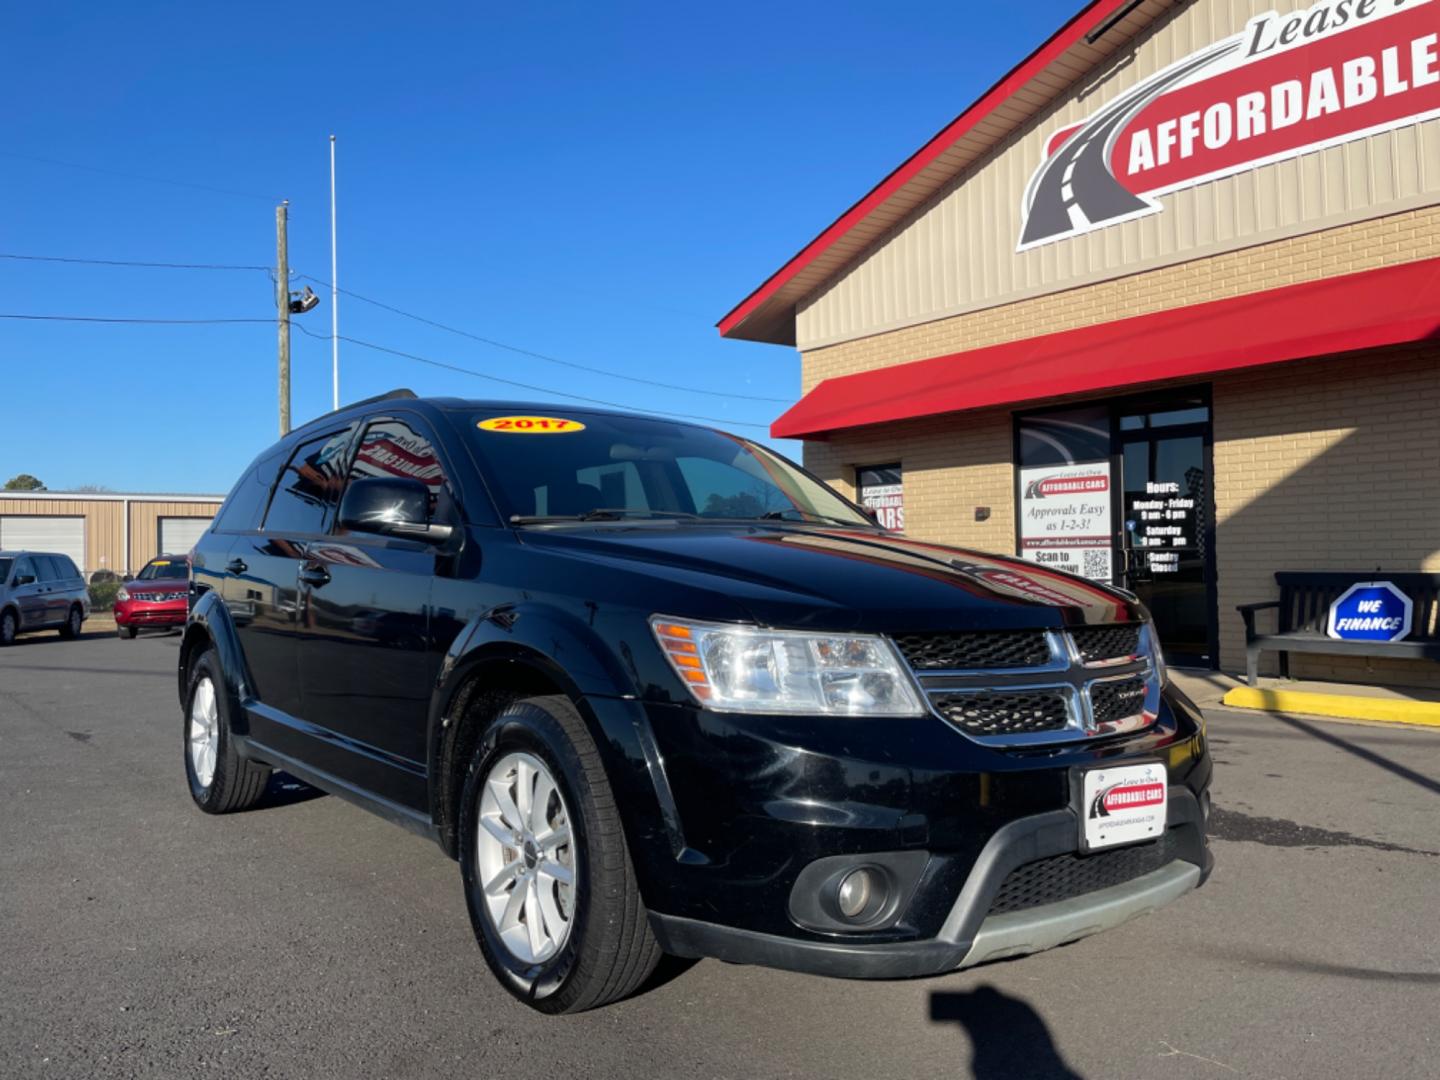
x,y
525,858
204,734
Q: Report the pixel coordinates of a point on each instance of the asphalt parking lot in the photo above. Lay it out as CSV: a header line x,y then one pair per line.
x,y
139,937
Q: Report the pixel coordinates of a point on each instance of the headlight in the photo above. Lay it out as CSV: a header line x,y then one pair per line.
x,y
746,669
122,594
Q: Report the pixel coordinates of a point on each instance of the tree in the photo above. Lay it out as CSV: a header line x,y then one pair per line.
x,y
24,482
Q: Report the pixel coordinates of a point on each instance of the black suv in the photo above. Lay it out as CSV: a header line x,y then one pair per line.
x,y
661,691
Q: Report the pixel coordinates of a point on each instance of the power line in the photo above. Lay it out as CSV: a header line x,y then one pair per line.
x,y
524,386
144,322
139,176
133,262
541,356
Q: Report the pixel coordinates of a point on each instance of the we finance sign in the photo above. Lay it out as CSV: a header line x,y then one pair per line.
x,y
1286,85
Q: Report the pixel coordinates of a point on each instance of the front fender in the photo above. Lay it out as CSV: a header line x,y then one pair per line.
x,y
209,622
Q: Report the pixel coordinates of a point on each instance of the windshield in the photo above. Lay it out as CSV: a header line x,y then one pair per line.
x,y
5,565
164,568
590,463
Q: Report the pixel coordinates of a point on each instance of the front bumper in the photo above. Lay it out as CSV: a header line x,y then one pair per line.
x,y
972,932
139,614
751,805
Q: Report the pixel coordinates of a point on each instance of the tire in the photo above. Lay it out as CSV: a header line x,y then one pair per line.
x,y
233,783
9,627
606,951
73,622
124,632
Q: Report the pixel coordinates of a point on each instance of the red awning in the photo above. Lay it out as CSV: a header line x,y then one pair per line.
x,y
1375,308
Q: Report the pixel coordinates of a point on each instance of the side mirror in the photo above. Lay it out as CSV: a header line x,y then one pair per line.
x,y
24,579
391,506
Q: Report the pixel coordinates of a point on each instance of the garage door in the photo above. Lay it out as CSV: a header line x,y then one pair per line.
x,y
178,535
32,532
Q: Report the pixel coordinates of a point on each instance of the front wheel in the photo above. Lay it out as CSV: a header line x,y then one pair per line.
x,y
126,633
8,628
221,781
548,879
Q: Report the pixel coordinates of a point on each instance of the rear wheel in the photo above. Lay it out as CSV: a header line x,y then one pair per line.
x,y
8,628
73,622
221,781
548,879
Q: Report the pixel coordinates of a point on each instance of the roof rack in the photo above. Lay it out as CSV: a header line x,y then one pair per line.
x,y
401,394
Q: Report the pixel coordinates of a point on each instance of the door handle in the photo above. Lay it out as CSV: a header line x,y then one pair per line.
x,y
236,566
314,575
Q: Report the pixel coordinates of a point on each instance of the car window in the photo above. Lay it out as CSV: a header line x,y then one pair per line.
x,y
67,566
643,465
46,568
24,567
309,486
5,565
164,568
391,448
245,505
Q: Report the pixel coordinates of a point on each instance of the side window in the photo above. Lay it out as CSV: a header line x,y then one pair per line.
x,y
245,504
391,448
722,490
47,568
67,566
25,568
309,486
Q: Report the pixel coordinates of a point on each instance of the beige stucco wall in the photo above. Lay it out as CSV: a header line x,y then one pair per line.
x,y
1387,241
1330,464
957,253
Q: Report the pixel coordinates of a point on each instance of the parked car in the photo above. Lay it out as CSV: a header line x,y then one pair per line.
x,y
41,590
158,596
660,690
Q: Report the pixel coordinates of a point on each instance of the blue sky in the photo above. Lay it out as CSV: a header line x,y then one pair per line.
x,y
594,182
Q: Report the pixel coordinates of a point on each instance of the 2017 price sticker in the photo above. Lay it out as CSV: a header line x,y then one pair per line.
x,y
531,425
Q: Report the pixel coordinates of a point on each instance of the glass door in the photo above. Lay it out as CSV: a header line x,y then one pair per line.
x,y
1168,520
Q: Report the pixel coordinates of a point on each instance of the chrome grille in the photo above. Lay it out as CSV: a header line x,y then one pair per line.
x,y
1111,702
983,650
1038,687
993,712
1098,644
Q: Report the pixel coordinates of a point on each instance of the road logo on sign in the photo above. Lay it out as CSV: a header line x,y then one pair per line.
x,y
1286,85
1371,611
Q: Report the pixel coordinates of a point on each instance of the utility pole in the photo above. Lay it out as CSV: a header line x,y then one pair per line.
x,y
282,303
334,294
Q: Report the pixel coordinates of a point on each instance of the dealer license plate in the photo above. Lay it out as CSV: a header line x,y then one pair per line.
x,y
1122,804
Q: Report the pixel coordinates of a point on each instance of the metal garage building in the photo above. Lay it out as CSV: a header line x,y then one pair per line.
x,y
104,531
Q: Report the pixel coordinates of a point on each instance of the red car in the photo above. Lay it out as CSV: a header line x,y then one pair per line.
x,y
157,596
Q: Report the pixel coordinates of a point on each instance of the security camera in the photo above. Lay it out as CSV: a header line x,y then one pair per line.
x,y
303,302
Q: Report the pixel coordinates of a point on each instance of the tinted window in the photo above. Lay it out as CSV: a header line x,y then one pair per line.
x,y
643,465
164,568
48,569
309,486
5,565
392,448
67,567
24,568
245,504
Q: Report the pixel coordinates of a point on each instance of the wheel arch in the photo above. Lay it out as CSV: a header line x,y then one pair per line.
x,y
209,624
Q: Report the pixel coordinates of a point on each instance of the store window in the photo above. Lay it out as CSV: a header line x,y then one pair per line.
x,y
882,491
1066,517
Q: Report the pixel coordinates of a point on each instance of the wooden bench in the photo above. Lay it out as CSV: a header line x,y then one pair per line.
x,y
1304,613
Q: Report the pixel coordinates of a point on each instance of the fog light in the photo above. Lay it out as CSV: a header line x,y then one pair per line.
x,y
856,894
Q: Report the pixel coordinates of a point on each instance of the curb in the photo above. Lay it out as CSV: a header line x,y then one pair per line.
x,y
1339,706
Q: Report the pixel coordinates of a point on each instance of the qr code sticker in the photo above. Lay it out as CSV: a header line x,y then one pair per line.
x,y
1096,566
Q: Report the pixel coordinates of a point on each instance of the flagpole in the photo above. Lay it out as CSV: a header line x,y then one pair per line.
x,y
334,292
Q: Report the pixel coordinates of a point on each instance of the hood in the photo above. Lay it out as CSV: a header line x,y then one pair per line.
x,y
844,579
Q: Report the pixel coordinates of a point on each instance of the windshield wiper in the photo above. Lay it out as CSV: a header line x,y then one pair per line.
x,y
809,515
604,514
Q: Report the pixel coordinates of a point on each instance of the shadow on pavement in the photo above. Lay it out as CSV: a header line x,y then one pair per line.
x,y
1379,760
1010,1040
284,790
1320,967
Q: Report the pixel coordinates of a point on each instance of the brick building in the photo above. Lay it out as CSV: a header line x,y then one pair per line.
x,y
1163,308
